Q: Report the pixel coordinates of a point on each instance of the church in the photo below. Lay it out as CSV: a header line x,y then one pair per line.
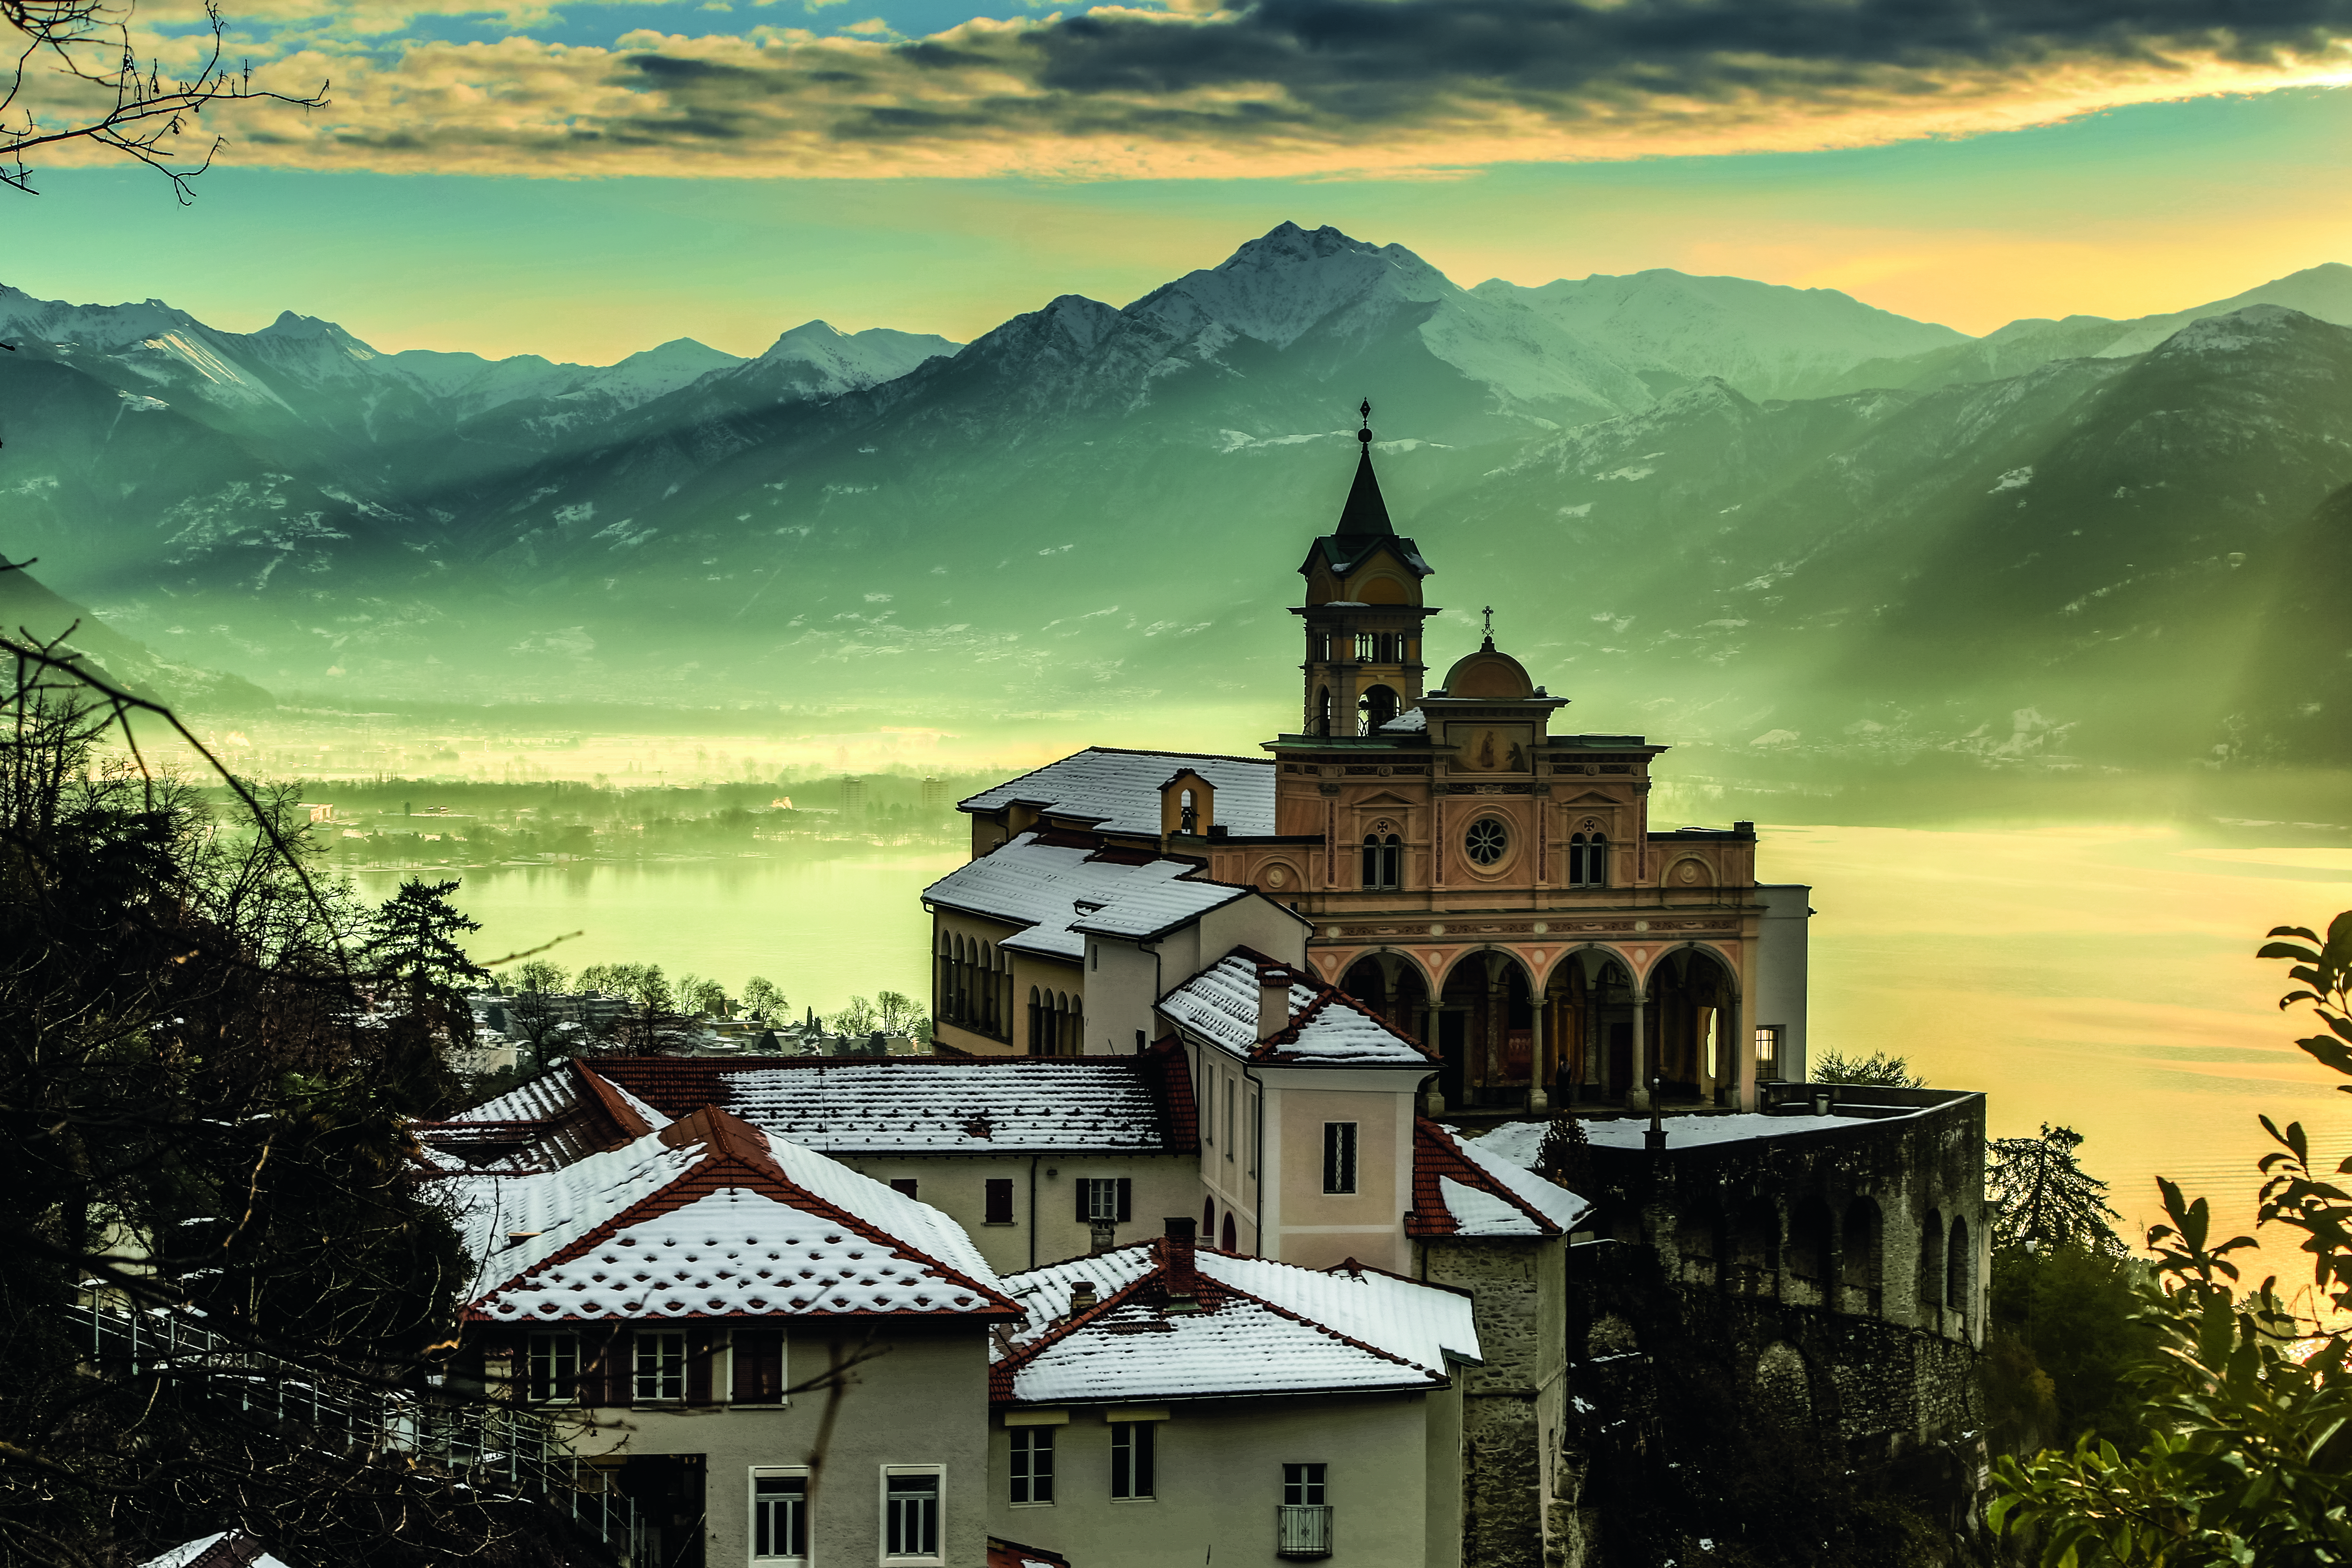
x,y
1457,862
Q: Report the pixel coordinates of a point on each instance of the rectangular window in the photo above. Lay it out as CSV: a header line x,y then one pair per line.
x,y
905,1185
1338,1156
999,1203
1131,1458
1302,1485
1106,1198
660,1367
910,1513
553,1370
757,1358
780,1516
1229,1118
1033,1464
1767,1051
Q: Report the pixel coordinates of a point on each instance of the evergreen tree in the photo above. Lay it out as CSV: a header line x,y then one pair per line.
x,y
2043,1198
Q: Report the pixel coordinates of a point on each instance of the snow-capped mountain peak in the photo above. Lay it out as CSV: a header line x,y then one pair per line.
x,y
1277,287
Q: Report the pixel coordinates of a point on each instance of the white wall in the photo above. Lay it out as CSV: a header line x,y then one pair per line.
x,y
1782,943
1219,1467
923,1402
956,1186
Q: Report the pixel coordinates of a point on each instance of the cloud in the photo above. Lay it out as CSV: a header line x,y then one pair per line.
x,y
1279,88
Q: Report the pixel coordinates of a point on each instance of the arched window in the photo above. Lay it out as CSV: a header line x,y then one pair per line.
x,y
1321,721
1379,706
1372,862
1208,1217
1588,860
1393,862
1228,1237
1931,1266
1039,1045
1958,1260
1188,819
1858,1257
1365,648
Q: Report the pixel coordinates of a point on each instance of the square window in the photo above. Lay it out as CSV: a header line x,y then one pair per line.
x,y
1102,1198
1132,1459
780,1522
910,1514
1302,1485
1338,1156
660,1367
1033,1464
553,1369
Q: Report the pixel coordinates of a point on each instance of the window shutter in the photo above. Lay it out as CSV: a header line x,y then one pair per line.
x,y
701,1350
1127,1197
1085,1188
616,1353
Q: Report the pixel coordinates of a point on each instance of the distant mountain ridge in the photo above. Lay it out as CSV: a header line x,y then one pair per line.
x,y
1743,509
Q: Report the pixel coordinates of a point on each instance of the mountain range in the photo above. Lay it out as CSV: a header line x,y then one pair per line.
x,y
1769,519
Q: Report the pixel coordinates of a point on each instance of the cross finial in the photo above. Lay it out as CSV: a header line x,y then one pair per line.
x,y
1490,613
1365,434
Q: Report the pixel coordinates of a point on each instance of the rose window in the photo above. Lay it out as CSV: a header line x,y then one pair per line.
x,y
1487,841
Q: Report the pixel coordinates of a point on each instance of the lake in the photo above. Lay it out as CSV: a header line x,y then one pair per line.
x,y
2098,977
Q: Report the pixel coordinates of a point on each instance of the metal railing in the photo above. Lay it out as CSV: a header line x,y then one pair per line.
x,y
1302,1530
515,1450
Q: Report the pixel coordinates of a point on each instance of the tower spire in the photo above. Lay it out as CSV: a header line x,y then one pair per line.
x,y
1365,513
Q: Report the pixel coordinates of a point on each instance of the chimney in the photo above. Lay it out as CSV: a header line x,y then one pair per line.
x,y
1273,1002
1082,1296
1176,1253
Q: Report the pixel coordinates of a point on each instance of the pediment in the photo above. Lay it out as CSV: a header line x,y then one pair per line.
x,y
1386,797
1593,798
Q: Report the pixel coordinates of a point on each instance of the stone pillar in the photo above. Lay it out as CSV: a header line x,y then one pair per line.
x,y
1429,1039
1538,1076
1637,1093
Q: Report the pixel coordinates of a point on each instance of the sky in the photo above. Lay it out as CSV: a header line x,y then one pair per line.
x,y
585,181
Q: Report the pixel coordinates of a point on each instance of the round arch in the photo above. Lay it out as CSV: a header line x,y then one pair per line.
x,y
1591,995
1486,1028
1393,984
1691,1037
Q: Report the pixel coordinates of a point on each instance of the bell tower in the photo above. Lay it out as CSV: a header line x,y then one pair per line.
x,y
1363,614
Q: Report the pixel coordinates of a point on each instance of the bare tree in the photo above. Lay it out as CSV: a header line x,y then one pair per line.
x,y
98,93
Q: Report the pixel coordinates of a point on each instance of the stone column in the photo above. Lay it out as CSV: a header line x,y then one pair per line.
x,y
1637,1093
1538,1079
1429,1039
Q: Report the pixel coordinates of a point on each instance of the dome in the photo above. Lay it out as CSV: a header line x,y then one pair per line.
x,y
1488,674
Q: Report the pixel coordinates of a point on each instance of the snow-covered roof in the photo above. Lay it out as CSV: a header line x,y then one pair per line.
x,y
1463,1187
712,1218
1517,1141
1015,1105
1060,893
222,1549
1260,1327
1327,1027
1412,721
1119,791
542,1125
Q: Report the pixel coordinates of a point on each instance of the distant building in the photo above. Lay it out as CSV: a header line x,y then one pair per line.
x,y
1484,883
935,793
852,797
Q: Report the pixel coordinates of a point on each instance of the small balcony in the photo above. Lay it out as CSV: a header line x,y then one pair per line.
x,y
1302,1530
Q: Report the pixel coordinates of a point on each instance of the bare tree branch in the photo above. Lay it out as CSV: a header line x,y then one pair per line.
x,y
86,44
